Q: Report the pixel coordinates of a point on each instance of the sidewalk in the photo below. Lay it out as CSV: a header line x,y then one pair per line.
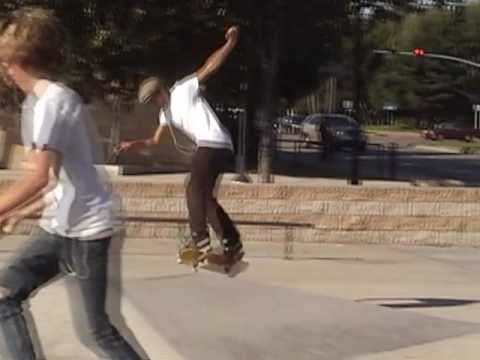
x,y
333,303
439,149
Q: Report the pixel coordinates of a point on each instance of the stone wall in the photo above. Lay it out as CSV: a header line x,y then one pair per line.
x,y
139,123
344,214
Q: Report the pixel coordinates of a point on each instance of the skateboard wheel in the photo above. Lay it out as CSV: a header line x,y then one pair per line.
x,y
179,261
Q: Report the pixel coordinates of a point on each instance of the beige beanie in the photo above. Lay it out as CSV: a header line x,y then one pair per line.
x,y
149,88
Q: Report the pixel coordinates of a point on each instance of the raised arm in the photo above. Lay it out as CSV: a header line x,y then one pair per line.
x,y
218,58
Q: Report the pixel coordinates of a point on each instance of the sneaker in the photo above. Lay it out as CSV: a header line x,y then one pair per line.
x,y
204,246
191,251
231,249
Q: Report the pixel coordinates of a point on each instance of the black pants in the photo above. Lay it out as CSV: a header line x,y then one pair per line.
x,y
207,165
43,259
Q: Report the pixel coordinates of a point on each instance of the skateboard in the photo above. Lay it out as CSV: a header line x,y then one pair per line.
x,y
191,257
196,259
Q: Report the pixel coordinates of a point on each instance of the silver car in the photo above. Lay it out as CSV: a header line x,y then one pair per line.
x,y
333,130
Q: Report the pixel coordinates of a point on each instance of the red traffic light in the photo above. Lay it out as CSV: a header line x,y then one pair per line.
x,y
419,52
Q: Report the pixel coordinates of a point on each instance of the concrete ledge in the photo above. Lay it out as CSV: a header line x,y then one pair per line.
x,y
131,170
279,207
308,193
419,216
133,189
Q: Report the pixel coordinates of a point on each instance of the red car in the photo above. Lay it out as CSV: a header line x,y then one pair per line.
x,y
453,131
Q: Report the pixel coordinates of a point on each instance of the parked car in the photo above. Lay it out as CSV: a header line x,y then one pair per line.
x,y
334,130
451,130
290,124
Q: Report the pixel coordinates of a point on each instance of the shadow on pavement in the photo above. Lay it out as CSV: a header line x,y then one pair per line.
x,y
208,316
414,303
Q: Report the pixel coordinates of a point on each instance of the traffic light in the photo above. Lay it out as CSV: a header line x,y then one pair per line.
x,y
419,52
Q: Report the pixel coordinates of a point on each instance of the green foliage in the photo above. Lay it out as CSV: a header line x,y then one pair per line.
x,y
430,86
115,43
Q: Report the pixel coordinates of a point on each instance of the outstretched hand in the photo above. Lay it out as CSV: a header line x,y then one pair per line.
x,y
8,223
3,220
232,34
123,147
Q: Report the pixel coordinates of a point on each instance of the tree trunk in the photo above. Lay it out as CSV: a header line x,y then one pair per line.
x,y
269,28
265,114
357,66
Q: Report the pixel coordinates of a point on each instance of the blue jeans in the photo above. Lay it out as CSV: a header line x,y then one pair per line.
x,y
42,260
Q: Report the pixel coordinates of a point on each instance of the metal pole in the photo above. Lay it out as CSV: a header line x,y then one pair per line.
x,y
393,161
355,176
428,55
241,158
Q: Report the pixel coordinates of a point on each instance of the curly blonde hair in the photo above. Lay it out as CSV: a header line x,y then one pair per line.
x,y
33,38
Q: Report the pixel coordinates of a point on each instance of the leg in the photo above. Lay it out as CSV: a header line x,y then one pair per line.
x,y
221,223
88,290
217,217
199,190
35,265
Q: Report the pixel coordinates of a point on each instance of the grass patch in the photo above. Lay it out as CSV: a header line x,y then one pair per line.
x,y
460,146
389,128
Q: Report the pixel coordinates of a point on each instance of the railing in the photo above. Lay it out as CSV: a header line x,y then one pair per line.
x,y
386,157
182,226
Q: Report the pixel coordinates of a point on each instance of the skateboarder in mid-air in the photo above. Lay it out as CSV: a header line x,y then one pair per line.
x,y
183,108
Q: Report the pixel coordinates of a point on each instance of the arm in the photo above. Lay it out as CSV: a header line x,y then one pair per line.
x,y
33,207
34,182
218,58
136,145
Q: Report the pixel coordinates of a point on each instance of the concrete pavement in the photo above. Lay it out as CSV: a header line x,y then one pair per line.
x,y
333,302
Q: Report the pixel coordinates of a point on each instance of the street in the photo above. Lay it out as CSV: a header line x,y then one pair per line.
x,y
332,302
414,161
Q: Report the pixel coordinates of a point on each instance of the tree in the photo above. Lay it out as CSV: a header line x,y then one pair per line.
x,y
284,45
363,15
116,43
430,87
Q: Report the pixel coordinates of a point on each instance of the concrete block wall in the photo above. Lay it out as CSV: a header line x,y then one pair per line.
x,y
343,214
423,216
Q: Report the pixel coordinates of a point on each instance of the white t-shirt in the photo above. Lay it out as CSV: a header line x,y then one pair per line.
x,y
189,112
80,206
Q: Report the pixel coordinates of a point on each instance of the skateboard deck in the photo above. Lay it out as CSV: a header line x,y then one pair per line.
x,y
213,261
